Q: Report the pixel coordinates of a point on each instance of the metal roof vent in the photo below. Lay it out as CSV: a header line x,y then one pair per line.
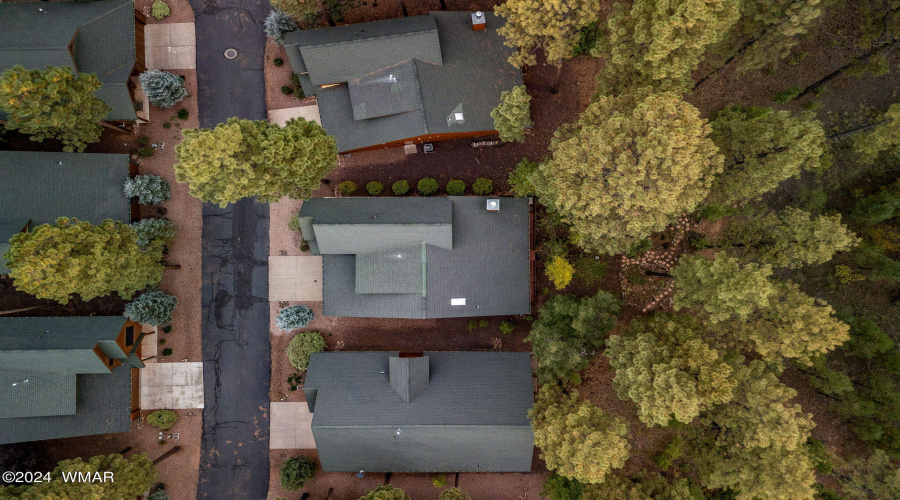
x,y
478,21
493,204
456,116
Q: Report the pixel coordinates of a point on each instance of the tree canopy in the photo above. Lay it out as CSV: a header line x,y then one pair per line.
x,y
646,486
53,104
68,257
722,288
243,158
513,114
762,148
577,440
884,138
132,476
628,167
660,43
550,24
568,331
666,366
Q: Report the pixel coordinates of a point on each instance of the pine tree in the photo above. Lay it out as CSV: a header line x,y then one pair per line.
x,y
385,492
885,138
243,158
755,443
513,114
792,238
153,308
660,43
163,89
646,486
665,365
279,24
132,476
550,24
872,478
762,148
305,10
568,331
53,104
577,440
70,256
722,288
629,167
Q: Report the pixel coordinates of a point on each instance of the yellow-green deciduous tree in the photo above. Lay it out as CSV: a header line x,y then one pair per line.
x,y
54,261
755,443
792,238
513,114
244,158
629,167
762,148
666,366
131,477
53,104
560,272
660,43
722,288
884,138
577,440
550,24
643,487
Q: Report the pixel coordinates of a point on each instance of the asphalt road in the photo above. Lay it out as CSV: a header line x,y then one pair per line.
x,y
234,461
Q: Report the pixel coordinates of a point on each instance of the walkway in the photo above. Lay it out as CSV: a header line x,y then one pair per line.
x,y
234,462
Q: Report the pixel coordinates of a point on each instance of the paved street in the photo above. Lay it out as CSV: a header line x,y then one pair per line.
x,y
234,462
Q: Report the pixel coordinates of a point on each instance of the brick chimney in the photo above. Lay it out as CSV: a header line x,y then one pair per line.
x,y
478,21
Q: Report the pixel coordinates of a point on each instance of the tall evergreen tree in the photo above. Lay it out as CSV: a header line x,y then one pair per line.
x,y
513,114
549,24
132,476
884,138
629,167
722,288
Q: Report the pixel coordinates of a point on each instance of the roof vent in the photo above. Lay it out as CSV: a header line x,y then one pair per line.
x,y
456,116
409,376
478,20
493,204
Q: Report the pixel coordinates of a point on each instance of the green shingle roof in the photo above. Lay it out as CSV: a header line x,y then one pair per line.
x,y
36,393
398,269
38,34
388,91
470,414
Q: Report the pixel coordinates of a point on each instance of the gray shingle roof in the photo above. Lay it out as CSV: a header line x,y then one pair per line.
x,y
409,376
387,91
487,263
42,187
37,34
398,269
36,393
470,76
472,416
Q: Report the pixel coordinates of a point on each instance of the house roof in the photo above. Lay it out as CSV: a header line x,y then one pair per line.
x,y
481,256
466,73
102,36
41,187
463,411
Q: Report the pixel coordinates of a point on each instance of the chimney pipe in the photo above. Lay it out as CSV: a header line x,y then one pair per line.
x,y
478,21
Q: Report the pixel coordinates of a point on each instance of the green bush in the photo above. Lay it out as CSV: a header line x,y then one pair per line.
x,y
292,317
146,151
876,208
520,178
278,62
183,114
400,188
482,186
820,456
673,451
278,24
385,492
148,189
506,327
715,212
298,89
454,494
167,329
160,10
439,481
558,487
427,186
167,351
159,494
163,89
788,95
144,140
347,188
589,270
167,125
163,419
374,188
154,231
296,471
302,346
456,188
152,308
286,90
294,223
638,249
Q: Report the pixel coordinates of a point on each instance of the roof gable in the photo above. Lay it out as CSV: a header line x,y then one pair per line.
x,y
409,376
388,91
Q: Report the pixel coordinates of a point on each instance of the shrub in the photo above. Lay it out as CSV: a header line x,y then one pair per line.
x,y
152,308
296,471
298,89
482,186
673,451
520,178
302,346
374,188
183,114
347,187
144,140
400,188
715,212
456,188
150,231
277,24
148,189
167,351
639,248
427,186
167,125
167,329
590,270
820,456
558,487
163,419
163,89
286,90
292,317
294,223
278,62
385,492
160,10
439,481
788,95
454,494
506,327
560,272
146,151
159,494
